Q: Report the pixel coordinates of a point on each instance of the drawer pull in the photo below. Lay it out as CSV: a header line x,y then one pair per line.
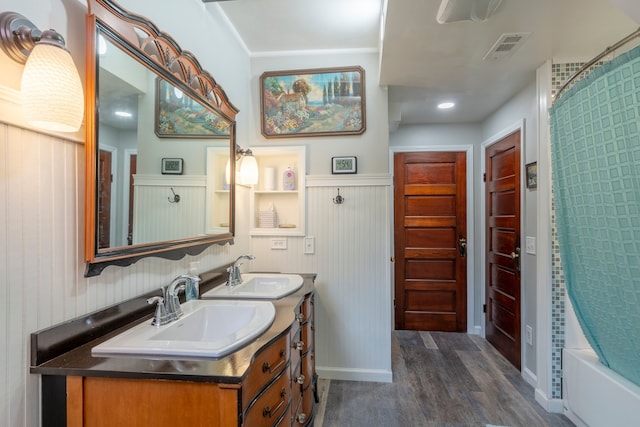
x,y
268,412
301,418
300,379
266,366
298,345
300,317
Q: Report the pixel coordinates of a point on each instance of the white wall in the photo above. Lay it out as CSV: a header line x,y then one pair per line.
x,y
42,197
370,147
353,308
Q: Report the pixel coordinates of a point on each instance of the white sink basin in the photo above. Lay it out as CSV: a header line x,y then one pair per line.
x,y
208,328
259,286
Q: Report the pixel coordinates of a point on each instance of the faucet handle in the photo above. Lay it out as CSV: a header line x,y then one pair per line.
x,y
160,317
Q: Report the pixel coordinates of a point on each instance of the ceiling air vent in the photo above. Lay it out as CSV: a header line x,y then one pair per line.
x,y
506,45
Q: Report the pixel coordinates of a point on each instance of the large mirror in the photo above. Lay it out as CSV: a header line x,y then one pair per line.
x,y
160,152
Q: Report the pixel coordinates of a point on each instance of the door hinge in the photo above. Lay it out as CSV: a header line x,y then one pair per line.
x,y
484,177
484,308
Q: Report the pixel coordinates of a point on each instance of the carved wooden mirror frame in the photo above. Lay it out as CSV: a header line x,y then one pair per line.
x,y
160,53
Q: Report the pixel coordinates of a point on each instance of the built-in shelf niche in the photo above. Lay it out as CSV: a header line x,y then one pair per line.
x,y
289,205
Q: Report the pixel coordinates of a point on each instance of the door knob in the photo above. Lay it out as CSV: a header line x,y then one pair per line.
x,y
462,246
515,256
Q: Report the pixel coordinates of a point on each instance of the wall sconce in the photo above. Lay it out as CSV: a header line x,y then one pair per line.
x,y
52,97
248,167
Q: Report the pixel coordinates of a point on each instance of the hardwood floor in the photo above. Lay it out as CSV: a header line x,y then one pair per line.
x,y
440,379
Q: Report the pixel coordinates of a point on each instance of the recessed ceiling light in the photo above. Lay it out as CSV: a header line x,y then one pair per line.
x,y
123,114
446,105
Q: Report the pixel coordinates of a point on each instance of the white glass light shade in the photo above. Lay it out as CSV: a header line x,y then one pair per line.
x,y
52,96
249,170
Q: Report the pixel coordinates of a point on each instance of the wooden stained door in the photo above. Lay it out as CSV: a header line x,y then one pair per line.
x,y
430,241
104,199
502,307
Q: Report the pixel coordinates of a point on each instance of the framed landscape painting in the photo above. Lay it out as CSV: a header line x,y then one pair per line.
x,y
179,116
318,102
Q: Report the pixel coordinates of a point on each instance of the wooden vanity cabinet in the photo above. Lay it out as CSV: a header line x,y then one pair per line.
x,y
278,390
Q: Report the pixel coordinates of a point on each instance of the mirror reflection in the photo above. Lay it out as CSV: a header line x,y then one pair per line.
x,y
161,157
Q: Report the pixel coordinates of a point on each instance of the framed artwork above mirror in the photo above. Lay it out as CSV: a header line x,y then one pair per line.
x,y
153,116
317,102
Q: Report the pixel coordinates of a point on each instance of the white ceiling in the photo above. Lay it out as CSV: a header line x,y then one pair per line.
x,y
423,62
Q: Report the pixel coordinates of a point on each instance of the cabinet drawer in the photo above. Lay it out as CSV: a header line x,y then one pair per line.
x,y
296,352
308,336
306,309
308,369
267,364
304,412
271,404
298,377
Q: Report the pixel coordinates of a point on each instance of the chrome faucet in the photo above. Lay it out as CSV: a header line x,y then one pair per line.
x,y
171,296
168,308
235,278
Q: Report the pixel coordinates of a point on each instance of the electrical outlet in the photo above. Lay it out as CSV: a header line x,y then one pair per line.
x,y
309,245
529,332
279,243
530,245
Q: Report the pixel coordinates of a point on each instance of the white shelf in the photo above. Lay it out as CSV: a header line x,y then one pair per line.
x,y
276,232
293,192
288,204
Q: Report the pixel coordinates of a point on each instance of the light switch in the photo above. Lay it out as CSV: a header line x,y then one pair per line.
x,y
309,245
531,245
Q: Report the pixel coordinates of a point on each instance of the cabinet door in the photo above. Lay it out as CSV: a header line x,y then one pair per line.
x,y
97,402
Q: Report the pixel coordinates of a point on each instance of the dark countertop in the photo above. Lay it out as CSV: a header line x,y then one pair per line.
x,y
74,356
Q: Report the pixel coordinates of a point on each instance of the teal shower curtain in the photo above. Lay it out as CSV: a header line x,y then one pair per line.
x,y
595,142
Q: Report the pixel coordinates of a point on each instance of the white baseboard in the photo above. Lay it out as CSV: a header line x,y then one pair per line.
x,y
530,377
555,406
574,418
372,375
476,330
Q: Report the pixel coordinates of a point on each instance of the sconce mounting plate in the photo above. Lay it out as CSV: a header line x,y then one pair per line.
x,y
17,36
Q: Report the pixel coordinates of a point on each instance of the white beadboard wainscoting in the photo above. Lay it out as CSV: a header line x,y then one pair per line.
x,y
352,260
159,219
42,279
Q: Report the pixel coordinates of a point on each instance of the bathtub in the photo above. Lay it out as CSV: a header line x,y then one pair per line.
x,y
596,396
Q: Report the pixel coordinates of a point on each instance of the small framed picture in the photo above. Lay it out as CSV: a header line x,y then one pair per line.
x,y
171,166
532,175
343,165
